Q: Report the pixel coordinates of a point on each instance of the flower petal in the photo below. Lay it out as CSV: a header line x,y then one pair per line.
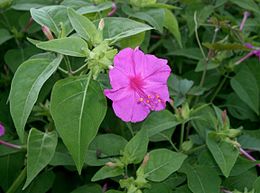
x,y
149,66
117,94
128,109
118,78
162,92
124,61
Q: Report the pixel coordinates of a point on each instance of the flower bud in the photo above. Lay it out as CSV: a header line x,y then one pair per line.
x,y
186,146
111,164
47,32
2,130
101,24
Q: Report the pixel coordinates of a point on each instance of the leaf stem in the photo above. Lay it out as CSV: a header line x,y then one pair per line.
x,y
218,89
170,141
79,69
17,183
182,134
196,149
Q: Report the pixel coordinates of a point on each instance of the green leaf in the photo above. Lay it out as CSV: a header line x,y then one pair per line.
x,y
159,121
171,23
84,27
247,5
257,185
78,107
114,30
42,183
10,167
41,148
245,86
4,36
26,5
162,163
242,165
107,172
26,85
102,145
71,46
95,8
113,191
90,188
152,16
224,153
136,148
54,17
250,139
202,179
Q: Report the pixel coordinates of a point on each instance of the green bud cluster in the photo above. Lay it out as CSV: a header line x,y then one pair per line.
x,y
100,58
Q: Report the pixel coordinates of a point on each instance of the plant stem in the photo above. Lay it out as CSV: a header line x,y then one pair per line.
x,y
197,148
218,88
129,126
182,134
10,145
19,180
79,69
67,62
170,141
247,155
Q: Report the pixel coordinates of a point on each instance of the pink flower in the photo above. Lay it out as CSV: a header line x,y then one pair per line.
x,y
2,130
139,84
254,51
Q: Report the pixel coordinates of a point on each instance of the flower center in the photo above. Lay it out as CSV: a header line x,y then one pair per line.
x,y
136,83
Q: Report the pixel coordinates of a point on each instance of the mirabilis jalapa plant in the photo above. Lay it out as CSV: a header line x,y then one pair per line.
x,y
156,131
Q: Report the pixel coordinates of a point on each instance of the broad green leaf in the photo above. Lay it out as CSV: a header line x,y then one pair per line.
x,y
241,181
202,179
179,88
162,163
103,147
26,5
158,122
90,188
10,167
114,30
4,36
54,17
5,3
171,23
192,53
225,154
84,27
95,8
226,46
257,185
62,159
71,46
247,5
250,139
41,148
154,17
78,107
26,85
113,191
15,57
136,148
42,183
107,172
242,165
132,41
239,109
245,86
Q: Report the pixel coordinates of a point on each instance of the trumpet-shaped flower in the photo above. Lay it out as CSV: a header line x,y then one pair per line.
x,y
2,130
139,84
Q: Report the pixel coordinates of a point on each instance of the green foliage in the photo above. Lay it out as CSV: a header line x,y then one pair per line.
x,y
61,134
